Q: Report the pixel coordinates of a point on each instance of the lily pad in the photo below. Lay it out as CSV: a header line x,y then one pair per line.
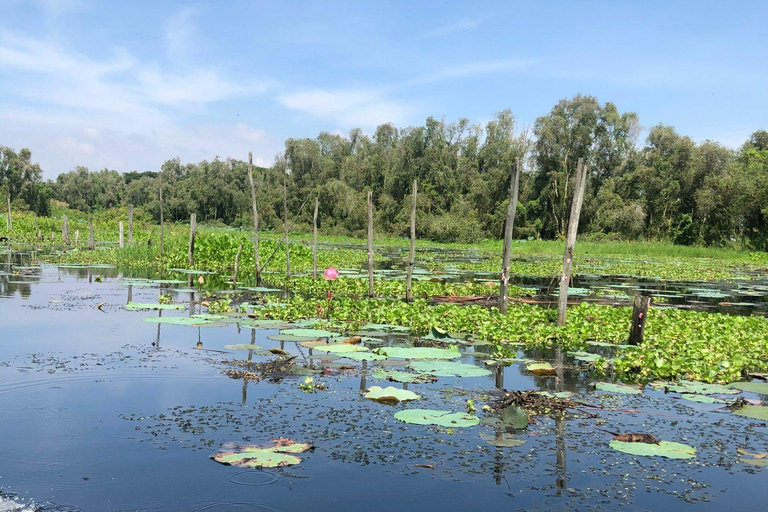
x,y
242,346
399,376
390,394
310,333
435,417
288,337
502,440
258,289
385,328
265,324
364,356
270,457
541,368
668,449
761,388
178,320
448,369
419,352
704,399
584,356
701,388
135,306
757,412
618,388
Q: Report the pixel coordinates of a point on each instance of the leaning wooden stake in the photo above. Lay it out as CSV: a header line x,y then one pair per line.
x,y
570,241
285,225
192,234
237,263
91,241
639,315
130,224
514,181
314,240
370,244
255,219
412,254
160,180
64,229
9,220
121,234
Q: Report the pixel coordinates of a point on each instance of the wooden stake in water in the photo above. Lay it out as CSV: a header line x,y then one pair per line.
x,y
514,181
237,263
285,225
64,229
121,234
370,243
255,219
412,254
639,315
192,234
9,220
160,181
91,241
570,241
130,224
314,240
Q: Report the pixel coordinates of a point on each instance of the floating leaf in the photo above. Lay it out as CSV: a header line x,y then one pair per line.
x,y
364,356
178,320
390,394
618,388
135,306
398,376
265,324
514,417
434,417
288,337
419,352
211,316
502,440
757,412
269,457
761,388
704,399
384,328
310,333
584,356
541,368
242,346
336,348
668,449
448,369
258,289
701,388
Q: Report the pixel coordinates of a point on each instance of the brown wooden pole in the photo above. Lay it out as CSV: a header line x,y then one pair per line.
x,y
130,224
370,243
514,181
91,240
237,262
285,225
255,219
639,315
412,253
570,241
192,235
162,244
314,240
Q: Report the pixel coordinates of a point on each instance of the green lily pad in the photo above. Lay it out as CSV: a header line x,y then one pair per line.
x,y
177,320
385,328
701,388
584,356
668,449
265,324
135,306
757,412
704,399
618,388
336,348
399,376
288,337
242,346
448,369
211,316
364,356
270,457
419,352
541,368
310,333
761,388
502,440
192,272
436,333
258,289
435,417
390,394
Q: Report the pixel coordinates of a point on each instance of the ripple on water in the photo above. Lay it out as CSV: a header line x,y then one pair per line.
x,y
253,478
232,506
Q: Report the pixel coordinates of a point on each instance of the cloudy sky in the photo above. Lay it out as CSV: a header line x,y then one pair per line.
x,y
127,85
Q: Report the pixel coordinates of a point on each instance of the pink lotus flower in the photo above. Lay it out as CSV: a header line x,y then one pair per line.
x,y
331,274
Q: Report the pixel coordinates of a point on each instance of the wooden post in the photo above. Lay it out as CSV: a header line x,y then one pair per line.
x,y
570,241
237,262
64,229
91,241
192,234
285,225
35,216
130,224
412,254
514,181
77,237
121,234
639,315
370,243
9,220
255,219
160,179
314,240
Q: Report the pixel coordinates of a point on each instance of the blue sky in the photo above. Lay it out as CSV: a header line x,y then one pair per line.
x,y
127,85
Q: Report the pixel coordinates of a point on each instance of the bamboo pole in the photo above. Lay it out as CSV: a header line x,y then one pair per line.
x,y
570,241
91,240
237,262
314,240
370,243
412,254
255,219
285,225
160,180
130,224
514,181
121,234
192,234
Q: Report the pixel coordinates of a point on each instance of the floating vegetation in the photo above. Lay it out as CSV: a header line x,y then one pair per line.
x,y
618,388
136,306
242,346
179,320
419,352
756,412
760,388
435,417
541,368
404,377
668,449
448,369
281,453
390,394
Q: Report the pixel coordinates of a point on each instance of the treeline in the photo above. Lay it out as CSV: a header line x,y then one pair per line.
x,y
664,187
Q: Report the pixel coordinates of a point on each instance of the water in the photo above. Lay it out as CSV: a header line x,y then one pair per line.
x,y
104,412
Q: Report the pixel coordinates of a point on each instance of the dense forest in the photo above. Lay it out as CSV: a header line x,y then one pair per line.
x,y
663,187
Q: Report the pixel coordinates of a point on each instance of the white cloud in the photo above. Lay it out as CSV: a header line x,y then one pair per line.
x,y
348,107
181,33
472,69
462,25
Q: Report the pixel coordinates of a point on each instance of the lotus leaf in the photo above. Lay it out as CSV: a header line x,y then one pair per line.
x,y
704,399
668,449
757,412
448,369
135,306
310,333
242,346
364,356
269,457
618,388
178,320
541,368
398,376
390,394
434,417
419,352
761,388
584,356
